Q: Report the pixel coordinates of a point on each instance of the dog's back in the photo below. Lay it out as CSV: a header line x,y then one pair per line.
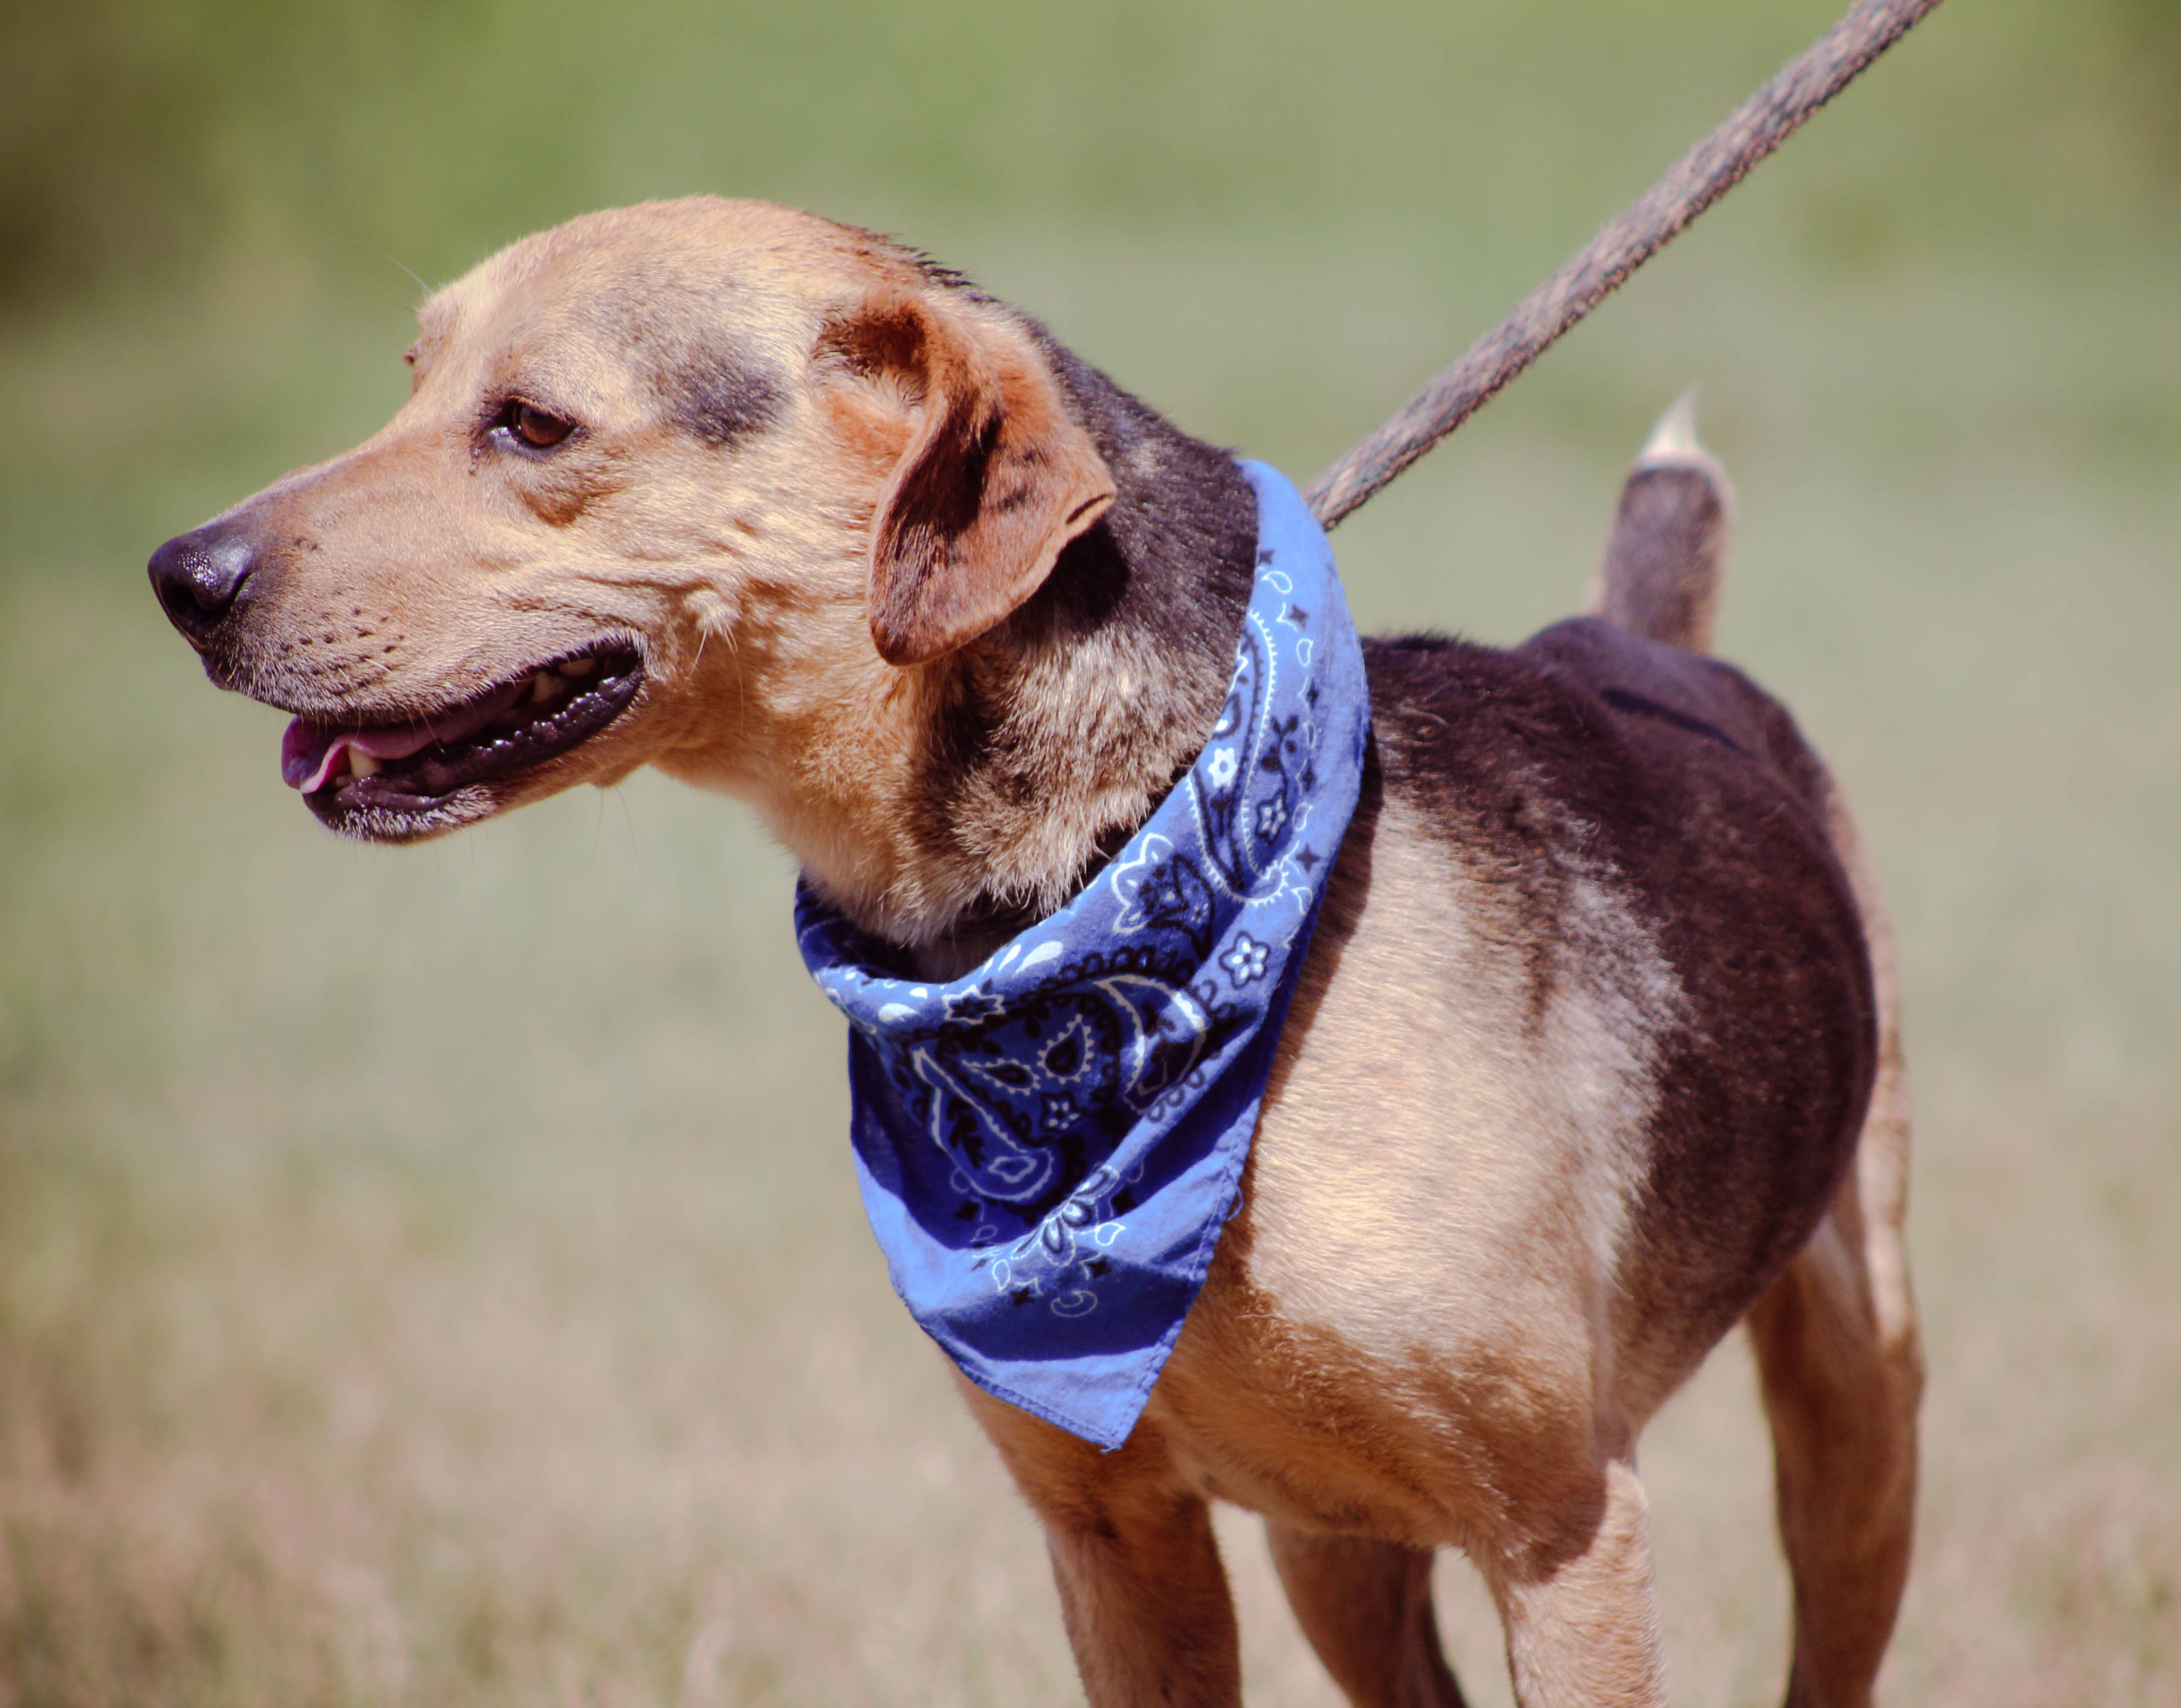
x,y
1602,776
1628,844
1605,768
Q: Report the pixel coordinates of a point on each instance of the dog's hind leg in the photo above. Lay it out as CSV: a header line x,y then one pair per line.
x,y
1838,1357
1366,1608
1836,1334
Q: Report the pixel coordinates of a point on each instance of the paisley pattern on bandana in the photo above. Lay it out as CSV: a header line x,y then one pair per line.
x,y
1049,1145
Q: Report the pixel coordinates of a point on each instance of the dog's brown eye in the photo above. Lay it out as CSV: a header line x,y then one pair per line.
x,y
536,427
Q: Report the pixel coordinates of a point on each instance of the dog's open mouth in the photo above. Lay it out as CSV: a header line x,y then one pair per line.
x,y
389,773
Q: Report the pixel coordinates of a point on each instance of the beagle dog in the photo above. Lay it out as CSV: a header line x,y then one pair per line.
x,y
1593,1055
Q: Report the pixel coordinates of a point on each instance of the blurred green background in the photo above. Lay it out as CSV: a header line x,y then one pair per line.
x,y
435,1277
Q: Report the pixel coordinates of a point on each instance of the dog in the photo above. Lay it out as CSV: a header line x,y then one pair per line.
x,y
1593,1054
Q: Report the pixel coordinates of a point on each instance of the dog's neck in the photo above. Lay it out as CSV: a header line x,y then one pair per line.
x,y
1025,759
1064,729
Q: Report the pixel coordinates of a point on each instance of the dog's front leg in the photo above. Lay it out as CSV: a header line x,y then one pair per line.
x,y
1366,1608
1142,1590
1581,1613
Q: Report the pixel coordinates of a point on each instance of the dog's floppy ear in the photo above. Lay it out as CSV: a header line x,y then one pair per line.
x,y
996,477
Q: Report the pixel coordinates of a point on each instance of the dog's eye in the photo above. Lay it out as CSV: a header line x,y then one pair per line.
x,y
530,426
536,428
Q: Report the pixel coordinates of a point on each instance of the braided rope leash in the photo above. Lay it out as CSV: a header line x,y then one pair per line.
x,y
1703,174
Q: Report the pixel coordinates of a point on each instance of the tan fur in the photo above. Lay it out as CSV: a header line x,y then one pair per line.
x,y
1415,1333
940,581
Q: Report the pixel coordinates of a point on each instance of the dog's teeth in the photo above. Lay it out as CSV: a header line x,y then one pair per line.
x,y
361,765
543,686
579,667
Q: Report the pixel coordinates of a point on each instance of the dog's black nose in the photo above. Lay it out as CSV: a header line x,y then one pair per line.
x,y
198,576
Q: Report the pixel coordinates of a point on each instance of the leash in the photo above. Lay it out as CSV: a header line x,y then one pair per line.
x,y
1703,174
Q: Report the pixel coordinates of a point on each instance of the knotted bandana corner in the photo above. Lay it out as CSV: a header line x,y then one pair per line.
x,y
1049,1146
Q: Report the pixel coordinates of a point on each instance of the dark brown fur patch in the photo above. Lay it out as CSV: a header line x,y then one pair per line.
x,y
1587,748
719,397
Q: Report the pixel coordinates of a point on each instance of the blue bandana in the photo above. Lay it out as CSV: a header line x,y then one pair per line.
x,y
1049,1146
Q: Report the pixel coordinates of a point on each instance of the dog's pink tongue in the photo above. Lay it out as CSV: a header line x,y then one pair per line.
x,y
307,752
311,753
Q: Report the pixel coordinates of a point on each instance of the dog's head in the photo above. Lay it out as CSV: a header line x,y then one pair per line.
x,y
686,483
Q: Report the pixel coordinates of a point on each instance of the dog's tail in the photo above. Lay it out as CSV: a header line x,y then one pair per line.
x,y
1661,572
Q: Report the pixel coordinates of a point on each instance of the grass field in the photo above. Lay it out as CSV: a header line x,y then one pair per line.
x,y
436,1276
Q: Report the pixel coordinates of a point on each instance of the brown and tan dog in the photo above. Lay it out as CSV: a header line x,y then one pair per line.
x,y
1594,1052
